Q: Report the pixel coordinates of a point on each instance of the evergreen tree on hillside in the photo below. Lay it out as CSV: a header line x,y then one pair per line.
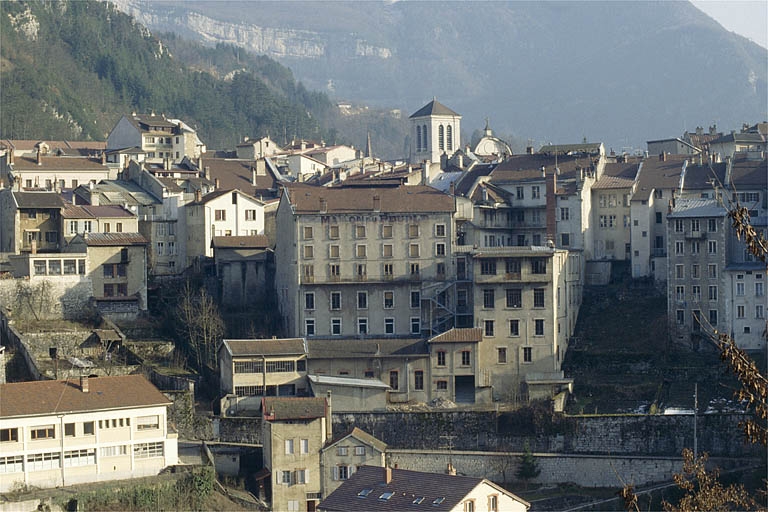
x,y
528,468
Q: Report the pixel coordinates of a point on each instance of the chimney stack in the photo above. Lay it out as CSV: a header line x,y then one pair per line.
x,y
450,470
33,247
207,170
328,417
662,157
387,475
452,188
529,150
103,157
39,156
84,383
253,176
216,183
198,195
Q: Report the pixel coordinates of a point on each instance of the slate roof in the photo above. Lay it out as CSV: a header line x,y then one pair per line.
x,y
464,185
115,239
392,199
292,408
657,174
747,137
697,208
700,176
618,175
38,200
405,486
749,173
456,335
357,348
528,167
240,242
86,211
65,396
591,148
70,147
434,108
266,347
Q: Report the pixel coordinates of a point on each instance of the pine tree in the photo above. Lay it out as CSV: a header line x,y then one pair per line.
x,y
528,468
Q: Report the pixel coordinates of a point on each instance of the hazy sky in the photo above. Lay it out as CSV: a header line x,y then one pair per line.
x,y
748,18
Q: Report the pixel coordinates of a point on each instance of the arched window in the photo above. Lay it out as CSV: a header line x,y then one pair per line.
x,y
424,138
418,138
440,138
449,136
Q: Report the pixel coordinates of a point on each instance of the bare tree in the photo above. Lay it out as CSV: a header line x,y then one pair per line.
x,y
200,326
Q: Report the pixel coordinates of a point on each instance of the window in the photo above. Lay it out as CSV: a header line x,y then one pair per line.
x,y
171,248
514,327
147,422
713,317
535,192
658,217
712,246
739,311
680,271
9,435
469,506
565,213
415,299
565,239
538,266
679,226
361,271
69,429
289,446
740,289
309,326
389,325
759,311
389,300
418,380
695,270
713,293
466,358
308,271
46,432
488,298
680,293
488,327
362,300
527,354
251,215
389,270
41,461
386,251
493,503
441,137
442,385
680,316
362,325
712,271
309,300
415,325
695,246
334,271
361,251
413,250
360,231
307,231
309,252
514,298
336,326
342,451
413,230
113,451
488,267
393,380
440,358
520,193
79,458
440,249
758,289
679,245
538,297
220,215
696,293
335,300
501,355
538,327
695,225
333,232
386,231
285,477
712,225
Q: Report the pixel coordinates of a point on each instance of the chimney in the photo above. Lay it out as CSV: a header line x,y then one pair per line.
x,y
216,183
551,202
33,247
662,157
198,195
328,417
529,150
10,156
84,383
207,170
450,470
452,188
253,176
377,203
39,156
543,172
103,157
387,475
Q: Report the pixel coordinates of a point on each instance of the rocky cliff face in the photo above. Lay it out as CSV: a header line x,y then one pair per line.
x,y
621,72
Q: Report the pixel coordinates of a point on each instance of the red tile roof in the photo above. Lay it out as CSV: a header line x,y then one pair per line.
x,y
65,396
471,335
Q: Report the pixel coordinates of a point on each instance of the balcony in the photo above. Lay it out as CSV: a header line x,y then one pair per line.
x,y
698,235
512,276
659,252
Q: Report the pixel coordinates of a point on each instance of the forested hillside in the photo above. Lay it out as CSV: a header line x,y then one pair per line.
x,y
70,69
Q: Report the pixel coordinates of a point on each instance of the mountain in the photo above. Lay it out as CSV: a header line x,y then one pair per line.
x,y
70,69
620,72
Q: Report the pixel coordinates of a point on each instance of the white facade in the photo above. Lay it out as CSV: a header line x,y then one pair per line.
x,y
435,130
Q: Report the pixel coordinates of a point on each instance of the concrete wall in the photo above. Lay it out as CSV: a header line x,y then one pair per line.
x,y
66,297
583,470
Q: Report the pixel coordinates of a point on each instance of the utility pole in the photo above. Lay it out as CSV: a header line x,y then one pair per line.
x,y
449,445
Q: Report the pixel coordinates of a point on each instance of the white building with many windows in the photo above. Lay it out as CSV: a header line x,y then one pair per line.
x,y
97,429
